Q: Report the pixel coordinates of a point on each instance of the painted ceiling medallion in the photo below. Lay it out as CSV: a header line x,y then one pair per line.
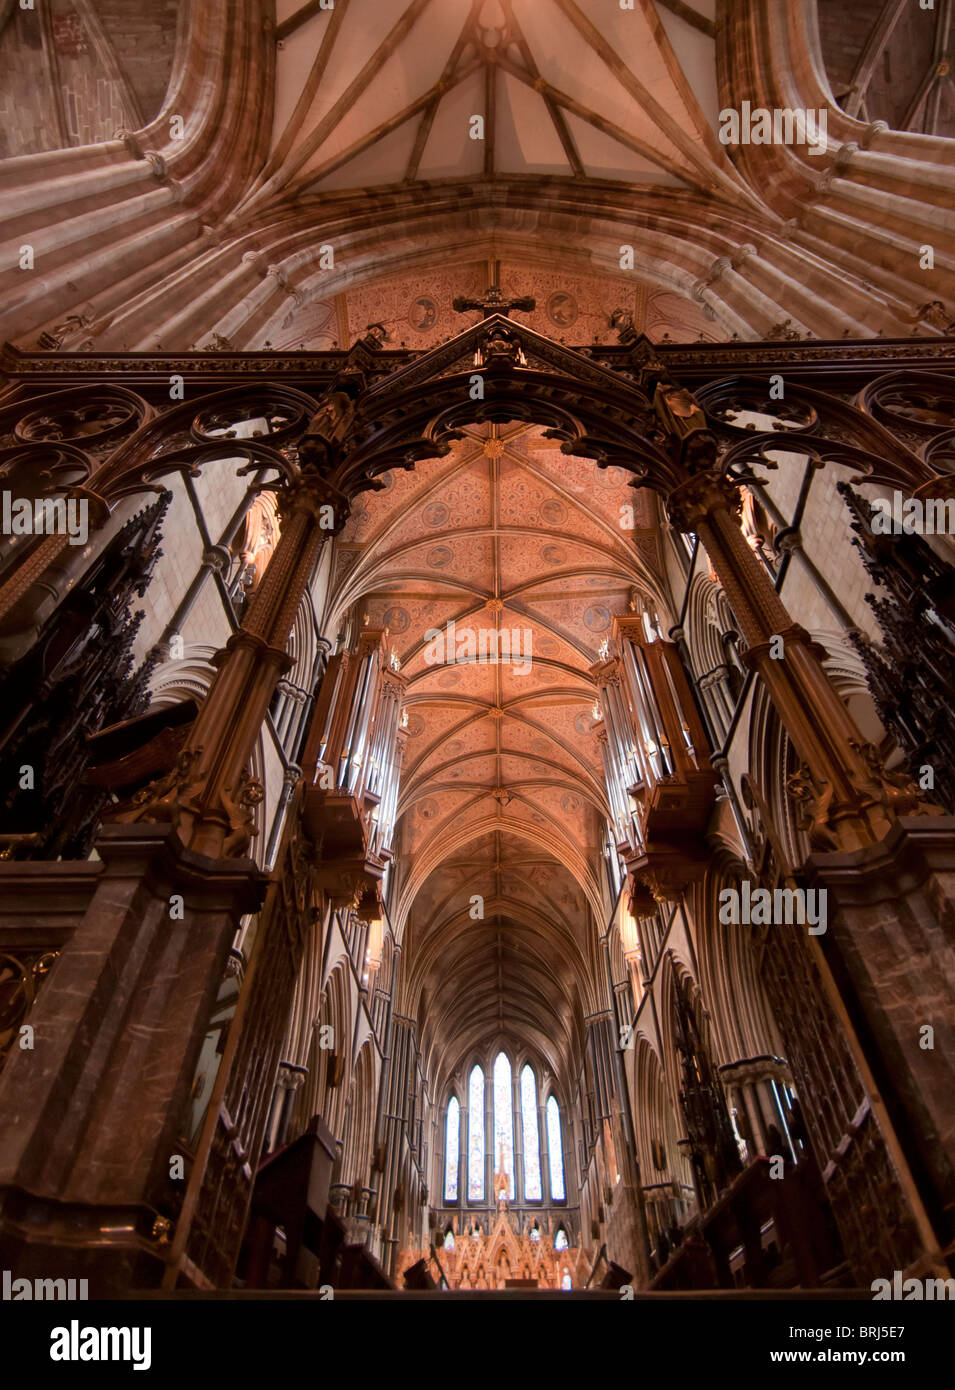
x,y
553,512
597,618
396,621
562,309
493,448
422,314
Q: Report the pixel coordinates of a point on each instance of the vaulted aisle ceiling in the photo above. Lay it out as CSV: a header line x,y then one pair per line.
x,y
502,784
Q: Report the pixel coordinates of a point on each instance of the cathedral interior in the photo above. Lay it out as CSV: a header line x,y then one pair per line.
x,y
477,645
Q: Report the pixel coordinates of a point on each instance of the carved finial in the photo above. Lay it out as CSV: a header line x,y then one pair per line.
x,y
493,302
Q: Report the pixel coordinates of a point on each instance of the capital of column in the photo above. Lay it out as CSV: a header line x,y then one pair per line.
x,y
308,495
262,651
698,497
847,797
291,1077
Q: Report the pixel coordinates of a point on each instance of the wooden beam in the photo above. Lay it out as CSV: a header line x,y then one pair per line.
x,y
691,16
307,95
879,35
490,116
421,139
921,96
300,154
710,175
678,77
106,53
553,110
466,36
632,142
300,17
380,131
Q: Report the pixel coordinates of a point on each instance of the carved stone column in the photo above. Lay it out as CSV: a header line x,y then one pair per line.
x,y
889,885
848,799
210,795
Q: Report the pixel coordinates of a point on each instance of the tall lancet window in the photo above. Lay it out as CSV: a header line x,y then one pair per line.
x,y
503,1121
452,1133
476,1135
555,1151
529,1126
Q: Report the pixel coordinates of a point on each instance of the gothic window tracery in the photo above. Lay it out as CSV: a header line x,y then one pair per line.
x,y
452,1134
500,1120
476,1135
504,1120
530,1136
555,1152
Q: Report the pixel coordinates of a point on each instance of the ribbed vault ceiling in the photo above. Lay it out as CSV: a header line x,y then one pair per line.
x,y
382,91
349,127
502,791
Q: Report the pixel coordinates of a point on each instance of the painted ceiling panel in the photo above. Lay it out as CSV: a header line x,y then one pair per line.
x,y
375,165
606,158
450,152
527,140
696,53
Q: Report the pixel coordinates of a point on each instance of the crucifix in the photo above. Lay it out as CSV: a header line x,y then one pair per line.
x,y
493,302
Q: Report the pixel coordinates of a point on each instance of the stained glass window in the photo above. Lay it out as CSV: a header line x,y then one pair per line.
x,y
532,1161
555,1152
503,1121
476,1135
451,1135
